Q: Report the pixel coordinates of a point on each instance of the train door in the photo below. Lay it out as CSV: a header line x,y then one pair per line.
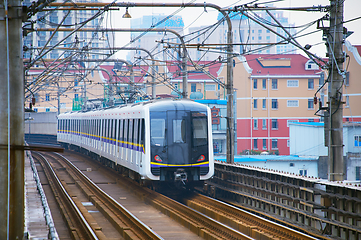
x,y
125,145
114,137
130,140
135,141
108,136
178,137
121,138
102,135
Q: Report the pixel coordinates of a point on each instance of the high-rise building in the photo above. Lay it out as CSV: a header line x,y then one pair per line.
x,y
36,40
248,36
151,40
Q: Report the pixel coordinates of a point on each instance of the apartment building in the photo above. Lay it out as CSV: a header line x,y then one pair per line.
x,y
272,91
352,83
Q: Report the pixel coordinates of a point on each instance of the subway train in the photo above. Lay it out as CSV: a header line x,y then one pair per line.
x,y
159,142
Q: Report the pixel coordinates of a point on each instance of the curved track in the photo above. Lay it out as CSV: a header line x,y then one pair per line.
x,y
80,222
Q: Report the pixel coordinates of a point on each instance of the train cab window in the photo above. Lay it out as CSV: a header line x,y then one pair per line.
x,y
157,131
179,131
199,129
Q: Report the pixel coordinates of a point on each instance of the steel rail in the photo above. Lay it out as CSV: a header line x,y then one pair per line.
x,y
80,229
241,219
131,226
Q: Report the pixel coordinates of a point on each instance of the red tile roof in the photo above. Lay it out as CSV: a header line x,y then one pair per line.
x,y
297,66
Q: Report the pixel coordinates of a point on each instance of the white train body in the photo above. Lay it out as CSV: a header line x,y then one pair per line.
x,y
165,140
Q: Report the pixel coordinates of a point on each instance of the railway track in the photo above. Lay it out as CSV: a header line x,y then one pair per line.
x,y
81,224
246,222
206,217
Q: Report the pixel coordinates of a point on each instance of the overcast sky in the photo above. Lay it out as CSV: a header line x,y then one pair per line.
x,y
198,17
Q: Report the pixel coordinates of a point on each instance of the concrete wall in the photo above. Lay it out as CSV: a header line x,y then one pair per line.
x,y
42,123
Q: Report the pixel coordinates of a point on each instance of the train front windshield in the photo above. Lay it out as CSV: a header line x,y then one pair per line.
x,y
178,137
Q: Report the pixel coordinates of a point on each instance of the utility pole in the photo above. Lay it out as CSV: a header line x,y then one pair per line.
x,y
335,84
11,121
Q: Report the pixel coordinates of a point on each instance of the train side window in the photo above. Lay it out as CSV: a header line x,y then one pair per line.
x,y
115,128
139,129
120,132
142,137
125,132
130,131
135,132
103,128
108,127
123,127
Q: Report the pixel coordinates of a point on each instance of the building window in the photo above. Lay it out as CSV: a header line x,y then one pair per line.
x,y
264,102
47,97
347,101
255,83
358,141
47,110
255,124
274,124
288,143
264,83
76,96
176,85
259,37
264,144
259,30
255,145
274,144
255,103
264,123
268,38
292,83
310,84
358,173
303,172
193,87
292,103
310,104
274,104
274,84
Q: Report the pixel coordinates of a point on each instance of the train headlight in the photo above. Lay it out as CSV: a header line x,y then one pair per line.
x,y
201,158
157,158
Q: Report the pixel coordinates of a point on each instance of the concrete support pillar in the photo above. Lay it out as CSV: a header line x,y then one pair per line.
x,y
11,122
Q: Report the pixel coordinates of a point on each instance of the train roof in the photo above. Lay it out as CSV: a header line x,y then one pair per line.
x,y
153,105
